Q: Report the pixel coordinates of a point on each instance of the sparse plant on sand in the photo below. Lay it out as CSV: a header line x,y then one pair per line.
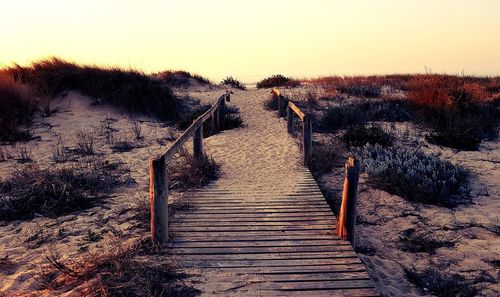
x,y
25,155
188,171
53,192
85,142
440,284
136,128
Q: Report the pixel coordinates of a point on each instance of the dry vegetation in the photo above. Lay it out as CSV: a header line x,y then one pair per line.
x,y
425,139
277,81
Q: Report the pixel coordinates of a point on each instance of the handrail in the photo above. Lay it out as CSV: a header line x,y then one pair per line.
x,y
291,110
158,177
195,125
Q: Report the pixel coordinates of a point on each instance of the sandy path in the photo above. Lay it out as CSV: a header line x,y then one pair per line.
x,y
264,228
261,156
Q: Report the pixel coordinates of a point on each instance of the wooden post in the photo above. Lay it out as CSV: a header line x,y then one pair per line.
x,y
289,119
221,111
198,142
216,121
346,224
307,133
158,195
280,106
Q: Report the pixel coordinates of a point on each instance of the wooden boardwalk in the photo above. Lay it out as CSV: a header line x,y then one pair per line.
x,y
248,243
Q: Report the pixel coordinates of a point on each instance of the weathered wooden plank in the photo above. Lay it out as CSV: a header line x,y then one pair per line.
x,y
257,250
237,223
338,263
280,256
344,265
265,243
297,110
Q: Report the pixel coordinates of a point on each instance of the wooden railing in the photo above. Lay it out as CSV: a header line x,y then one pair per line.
x,y
346,223
293,110
158,177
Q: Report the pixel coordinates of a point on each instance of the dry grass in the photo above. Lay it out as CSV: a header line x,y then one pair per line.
x,y
17,105
139,269
182,79
129,90
56,191
187,171
233,82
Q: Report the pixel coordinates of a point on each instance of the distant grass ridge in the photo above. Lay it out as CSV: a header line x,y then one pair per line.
x,y
233,82
129,90
182,79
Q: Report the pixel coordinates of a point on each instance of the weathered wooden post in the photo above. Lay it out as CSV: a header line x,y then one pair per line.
x,y
280,105
346,225
221,111
158,195
307,133
198,142
216,121
289,118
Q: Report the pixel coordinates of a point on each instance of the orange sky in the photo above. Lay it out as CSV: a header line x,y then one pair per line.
x,y
253,39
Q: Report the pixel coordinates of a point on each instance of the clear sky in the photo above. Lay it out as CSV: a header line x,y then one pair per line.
x,y
253,39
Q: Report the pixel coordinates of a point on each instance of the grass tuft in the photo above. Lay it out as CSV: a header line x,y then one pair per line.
x,y
233,82
361,135
188,172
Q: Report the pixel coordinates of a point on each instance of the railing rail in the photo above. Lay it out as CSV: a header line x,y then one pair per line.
x,y
158,176
293,110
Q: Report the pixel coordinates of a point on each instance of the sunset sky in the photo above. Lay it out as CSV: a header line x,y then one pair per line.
x,y
253,39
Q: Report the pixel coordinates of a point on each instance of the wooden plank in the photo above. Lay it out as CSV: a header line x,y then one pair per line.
x,y
344,265
244,237
265,243
271,257
257,250
337,263
237,223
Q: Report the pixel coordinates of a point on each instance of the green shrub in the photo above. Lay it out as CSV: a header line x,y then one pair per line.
x,y
277,81
416,176
230,81
362,135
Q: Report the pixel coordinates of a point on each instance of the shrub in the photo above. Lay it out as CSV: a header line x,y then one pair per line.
x,y
184,79
230,81
437,283
271,103
369,91
232,118
17,106
416,176
277,81
354,114
362,135
326,156
187,118
130,90
187,171
54,192
416,242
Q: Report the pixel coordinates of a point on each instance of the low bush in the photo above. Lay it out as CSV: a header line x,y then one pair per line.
x,y
231,118
354,114
184,79
188,172
361,135
17,106
130,90
271,103
277,81
326,156
439,284
416,176
427,242
368,91
233,82
55,191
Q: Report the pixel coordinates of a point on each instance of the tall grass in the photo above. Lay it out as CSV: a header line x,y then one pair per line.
x,y
17,105
129,90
